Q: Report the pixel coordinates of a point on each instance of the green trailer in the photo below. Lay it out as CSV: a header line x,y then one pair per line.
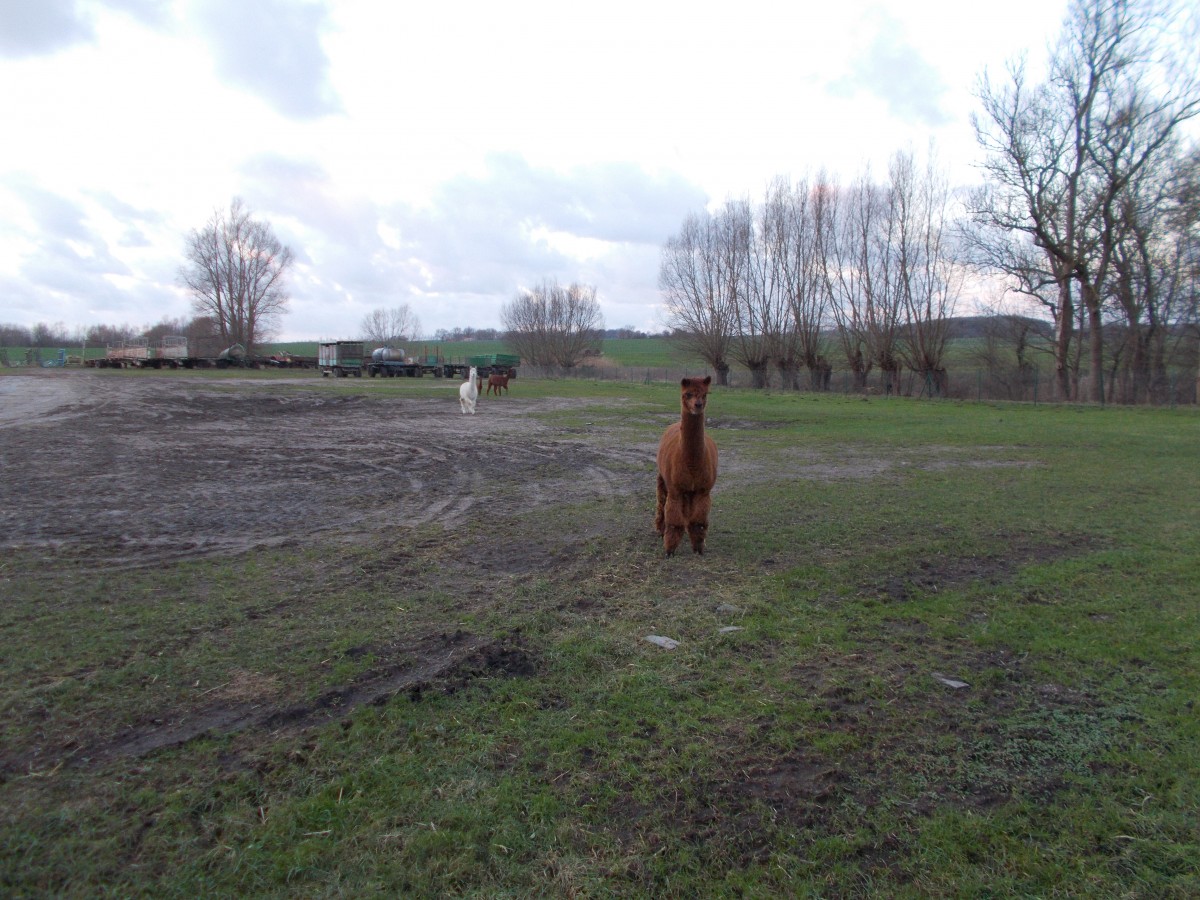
x,y
495,364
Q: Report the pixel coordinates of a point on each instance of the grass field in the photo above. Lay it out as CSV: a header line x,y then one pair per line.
x,y
966,666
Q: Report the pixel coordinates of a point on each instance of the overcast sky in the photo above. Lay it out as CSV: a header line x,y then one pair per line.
x,y
445,155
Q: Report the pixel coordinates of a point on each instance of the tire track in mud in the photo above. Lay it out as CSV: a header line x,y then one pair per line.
x,y
450,660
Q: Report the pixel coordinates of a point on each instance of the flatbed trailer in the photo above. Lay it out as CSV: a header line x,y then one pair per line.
x,y
388,362
171,353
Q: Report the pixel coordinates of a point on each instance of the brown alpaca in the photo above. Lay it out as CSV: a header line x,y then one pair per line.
x,y
687,471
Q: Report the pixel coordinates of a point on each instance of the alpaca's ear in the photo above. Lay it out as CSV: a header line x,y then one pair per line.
x,y
707,380
683,382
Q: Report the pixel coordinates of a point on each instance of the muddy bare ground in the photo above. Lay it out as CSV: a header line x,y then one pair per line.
x,y
136,471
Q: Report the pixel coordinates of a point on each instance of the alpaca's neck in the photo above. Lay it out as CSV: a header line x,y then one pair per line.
x,y
691,429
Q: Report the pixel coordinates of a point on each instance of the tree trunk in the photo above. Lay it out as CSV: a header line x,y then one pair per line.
x,y
1062,341
1096,353
789,375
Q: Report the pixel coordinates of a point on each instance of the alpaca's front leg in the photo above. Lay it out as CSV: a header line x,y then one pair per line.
x,y
675,521
672,538
659,506
698,521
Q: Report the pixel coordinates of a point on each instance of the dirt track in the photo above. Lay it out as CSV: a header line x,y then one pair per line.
x,y
135,470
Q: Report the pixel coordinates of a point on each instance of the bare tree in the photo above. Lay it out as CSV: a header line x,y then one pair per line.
x,y
750,281
46,334
808,294
166,327
1061,155
110,335
390,326
1035,169
12,335
235,269
778,253
928,276
861,281
1155,281
698,307
554,326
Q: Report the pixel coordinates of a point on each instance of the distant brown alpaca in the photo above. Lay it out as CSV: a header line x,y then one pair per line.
x,y
687,471
497,382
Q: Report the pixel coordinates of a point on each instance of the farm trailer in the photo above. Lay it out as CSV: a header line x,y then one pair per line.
x,y
390,362
171,352
340,358
495,364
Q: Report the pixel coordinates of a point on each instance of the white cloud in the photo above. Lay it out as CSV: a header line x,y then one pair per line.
x,y
31,29
272,48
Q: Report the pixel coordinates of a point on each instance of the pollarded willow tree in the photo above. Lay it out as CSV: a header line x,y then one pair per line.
x,y
863,284
692,282
552,325
928,270
790,225
235,269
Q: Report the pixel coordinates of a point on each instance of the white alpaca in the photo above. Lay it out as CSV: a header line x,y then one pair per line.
x,y
468,393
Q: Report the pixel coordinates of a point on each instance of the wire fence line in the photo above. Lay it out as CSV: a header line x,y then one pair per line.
x,y
1029,385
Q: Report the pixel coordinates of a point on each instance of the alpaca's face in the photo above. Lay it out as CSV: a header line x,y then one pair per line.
x,y
694,394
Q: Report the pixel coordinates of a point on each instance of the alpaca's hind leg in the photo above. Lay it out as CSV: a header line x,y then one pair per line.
x,y
660,506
